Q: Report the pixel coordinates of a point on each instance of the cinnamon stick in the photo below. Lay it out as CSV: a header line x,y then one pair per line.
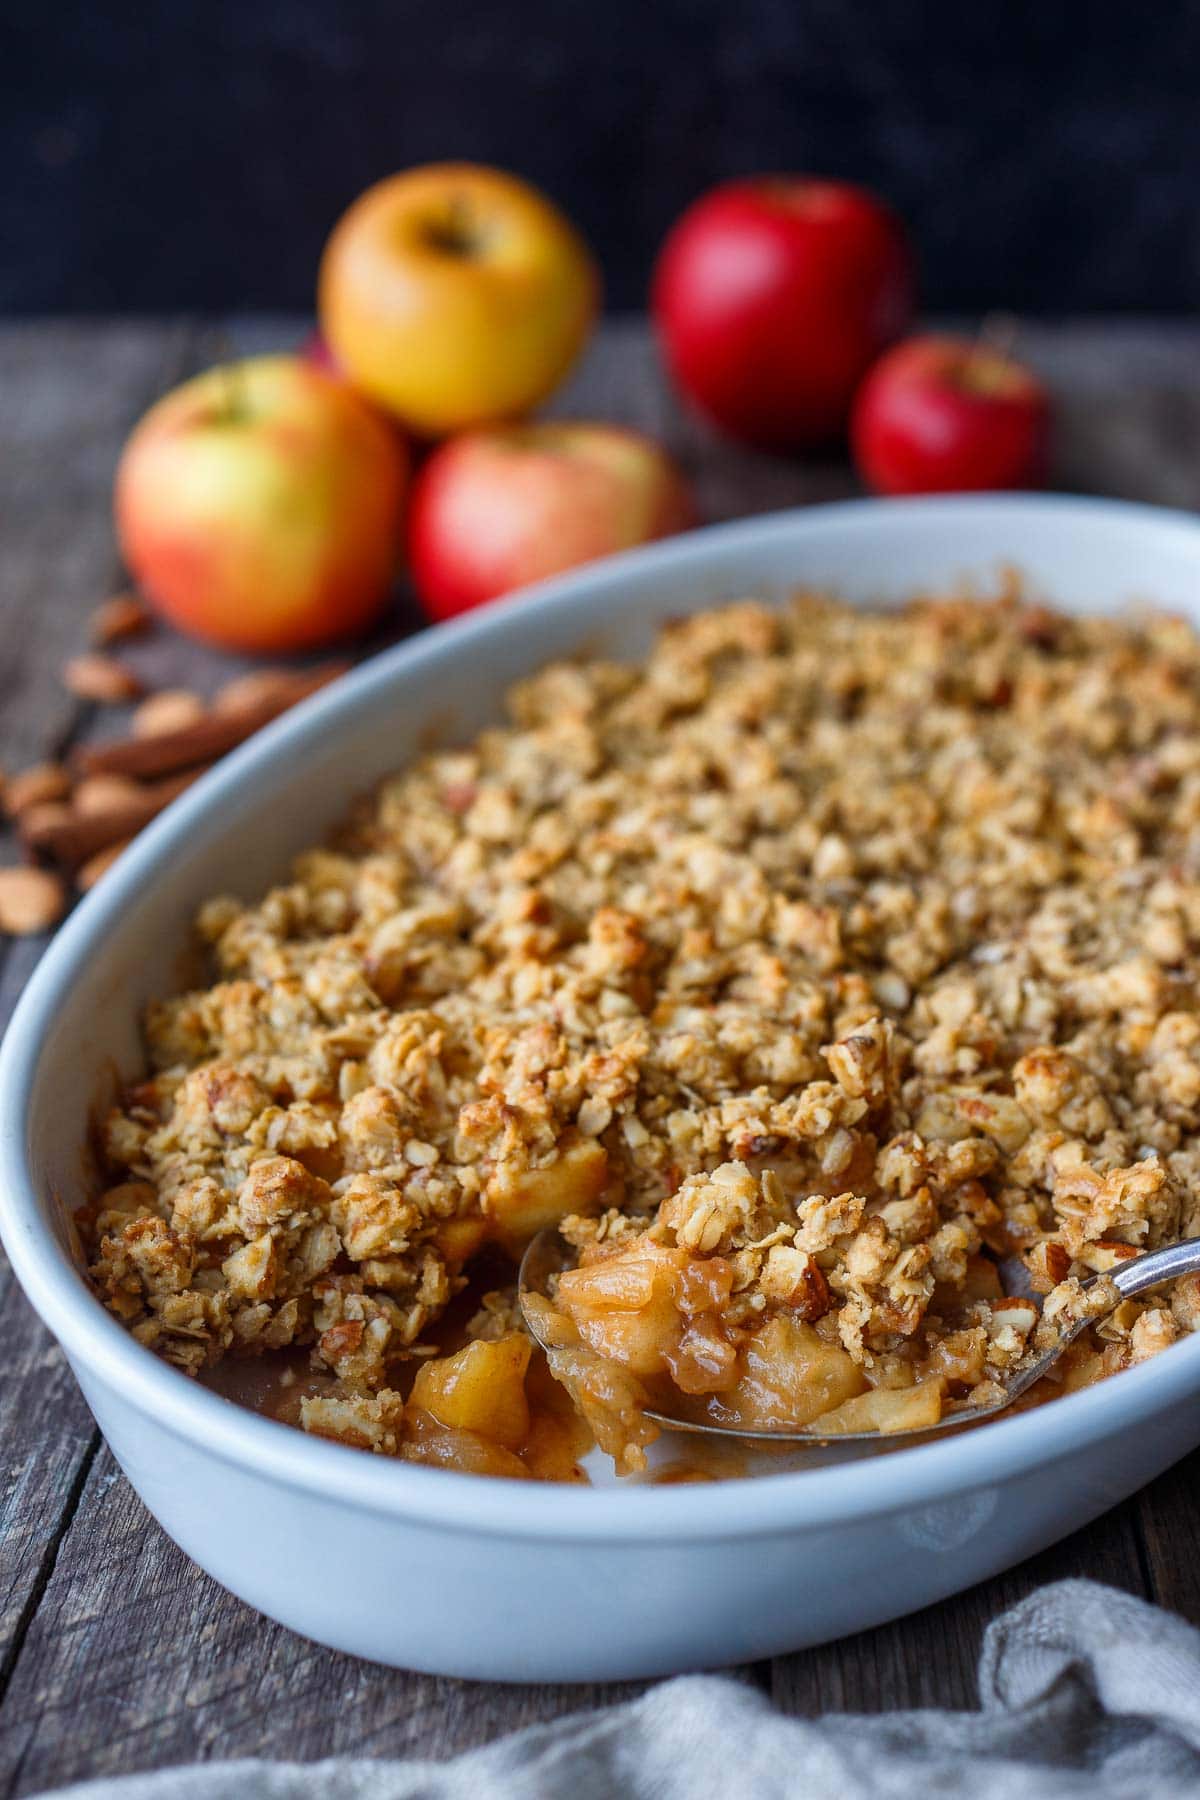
x,y
75,839
204,741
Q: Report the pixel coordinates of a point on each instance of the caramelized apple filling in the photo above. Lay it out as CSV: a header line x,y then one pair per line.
x,y
757,1327
809,973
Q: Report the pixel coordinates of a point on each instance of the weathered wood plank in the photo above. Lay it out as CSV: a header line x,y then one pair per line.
x,y
930,1658
1168,1514
136,1659
132,1657
1128,407
70,394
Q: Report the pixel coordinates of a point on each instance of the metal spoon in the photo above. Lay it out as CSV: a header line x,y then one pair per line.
x,y
549,1254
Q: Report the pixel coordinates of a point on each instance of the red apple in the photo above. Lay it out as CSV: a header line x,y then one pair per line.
x,y
773,296
495,509
259,506
946,414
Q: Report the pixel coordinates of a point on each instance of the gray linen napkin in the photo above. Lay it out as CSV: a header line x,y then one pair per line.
x,y
1083,1691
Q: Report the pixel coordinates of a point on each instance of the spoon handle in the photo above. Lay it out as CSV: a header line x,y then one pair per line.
x,y
1143,1272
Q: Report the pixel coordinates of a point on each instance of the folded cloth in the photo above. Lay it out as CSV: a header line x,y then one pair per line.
x,y
1083,1691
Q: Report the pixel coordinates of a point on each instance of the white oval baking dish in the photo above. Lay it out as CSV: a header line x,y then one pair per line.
x,y
514,1580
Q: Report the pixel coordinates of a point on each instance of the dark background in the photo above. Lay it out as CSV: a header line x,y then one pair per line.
x,y
194,153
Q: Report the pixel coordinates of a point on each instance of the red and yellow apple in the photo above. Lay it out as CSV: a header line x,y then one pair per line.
x,y
493,510
260,506
455,296
942,414
773,296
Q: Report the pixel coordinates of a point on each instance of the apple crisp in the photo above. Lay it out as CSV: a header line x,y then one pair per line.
x,y
805,974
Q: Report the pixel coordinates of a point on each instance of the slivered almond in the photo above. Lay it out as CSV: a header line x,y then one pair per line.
x,y
31,900
174,709
42,782
99,865
123,616
100,678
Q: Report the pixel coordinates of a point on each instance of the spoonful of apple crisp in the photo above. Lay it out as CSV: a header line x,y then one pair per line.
x,y
646,1339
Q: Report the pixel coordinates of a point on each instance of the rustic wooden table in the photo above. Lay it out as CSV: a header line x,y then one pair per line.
x,y
116,1653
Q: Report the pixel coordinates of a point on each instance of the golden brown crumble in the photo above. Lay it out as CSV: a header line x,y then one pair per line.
x,y
807,971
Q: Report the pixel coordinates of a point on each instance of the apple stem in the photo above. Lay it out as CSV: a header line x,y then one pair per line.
x,y
998,332
460,217
457,232
233,380
992,347
234,385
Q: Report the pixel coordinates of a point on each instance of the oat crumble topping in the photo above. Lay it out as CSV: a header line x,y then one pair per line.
x,y
805,971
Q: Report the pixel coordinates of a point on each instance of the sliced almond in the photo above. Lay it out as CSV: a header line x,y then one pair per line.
x,y
1119,1323
174,709
122,617
99,865
1014,1313
100,678
1048,1264
100,793
44,781
1105,1253
31,900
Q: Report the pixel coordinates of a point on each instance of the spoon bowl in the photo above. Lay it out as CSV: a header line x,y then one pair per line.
x,y
548,1254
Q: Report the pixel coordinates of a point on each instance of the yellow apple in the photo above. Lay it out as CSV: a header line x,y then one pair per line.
x,y
455,295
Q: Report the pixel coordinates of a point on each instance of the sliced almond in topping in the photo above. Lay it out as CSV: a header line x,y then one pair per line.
x,y
100,678
31,900
259,686
174,709
123,616
1015,1312
1105,1253
100,793
99,865
1119,1323
1048,1264
44,781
